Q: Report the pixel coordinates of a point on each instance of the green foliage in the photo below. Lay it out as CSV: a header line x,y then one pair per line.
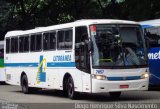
x,y
27,14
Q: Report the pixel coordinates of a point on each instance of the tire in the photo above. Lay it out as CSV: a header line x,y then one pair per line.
x,y
70,89
65,87
115,95
24,85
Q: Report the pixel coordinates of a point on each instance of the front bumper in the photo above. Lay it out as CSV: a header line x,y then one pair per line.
x,y
102,86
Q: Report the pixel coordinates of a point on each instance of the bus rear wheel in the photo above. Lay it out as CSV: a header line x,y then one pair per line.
x,y
115,95
24,84
70,89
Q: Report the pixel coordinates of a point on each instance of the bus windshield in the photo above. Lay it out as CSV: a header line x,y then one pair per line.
x,y
117,46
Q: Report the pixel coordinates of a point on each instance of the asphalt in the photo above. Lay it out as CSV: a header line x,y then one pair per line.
x,y
53,98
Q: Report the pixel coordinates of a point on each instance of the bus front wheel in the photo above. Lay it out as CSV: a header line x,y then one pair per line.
x,y
70,89
115,94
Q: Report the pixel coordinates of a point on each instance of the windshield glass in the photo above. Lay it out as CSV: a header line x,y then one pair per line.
x,y
117,45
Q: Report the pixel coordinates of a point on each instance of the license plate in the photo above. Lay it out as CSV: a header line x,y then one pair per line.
x,y
123,86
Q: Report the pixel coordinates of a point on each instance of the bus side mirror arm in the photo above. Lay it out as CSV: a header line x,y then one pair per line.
x,y
147,42
89,46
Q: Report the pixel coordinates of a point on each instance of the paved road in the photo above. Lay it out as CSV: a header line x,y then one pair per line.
x,y
13,94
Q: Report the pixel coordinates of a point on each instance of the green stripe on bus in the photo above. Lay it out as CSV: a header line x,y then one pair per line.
x,y
1,62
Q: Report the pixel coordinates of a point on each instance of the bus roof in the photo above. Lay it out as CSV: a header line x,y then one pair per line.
x,y
150,23
68,25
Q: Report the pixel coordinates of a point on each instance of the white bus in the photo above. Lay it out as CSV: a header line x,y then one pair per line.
x,y
93,56
2,69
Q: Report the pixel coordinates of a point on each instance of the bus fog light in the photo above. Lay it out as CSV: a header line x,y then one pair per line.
x,y
99,77
145,75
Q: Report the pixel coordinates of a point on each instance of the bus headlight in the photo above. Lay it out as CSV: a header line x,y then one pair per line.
x,y
99,77
145,75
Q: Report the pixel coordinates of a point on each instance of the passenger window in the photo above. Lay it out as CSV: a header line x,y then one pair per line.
x,y
49,41
60,40
26,43
38,42
52,42
32,43
7,45
14,45
45,41
21,44
68,39
153,37
64,39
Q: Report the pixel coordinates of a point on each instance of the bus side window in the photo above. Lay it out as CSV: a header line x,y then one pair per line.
x,y
152,37
81,52
52,41
38,44
60,40
45,41
14,45
68,39
64,39
21,44
49,40
32,42
7,45
26,43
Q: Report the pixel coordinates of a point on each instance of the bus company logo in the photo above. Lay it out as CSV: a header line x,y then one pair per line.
x,y
41,74
62,58
154,56
99,71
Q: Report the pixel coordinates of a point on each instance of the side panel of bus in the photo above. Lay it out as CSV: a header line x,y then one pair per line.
x,y
154,62
44,69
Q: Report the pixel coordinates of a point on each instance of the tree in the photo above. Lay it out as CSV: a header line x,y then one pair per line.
x,y
27,14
